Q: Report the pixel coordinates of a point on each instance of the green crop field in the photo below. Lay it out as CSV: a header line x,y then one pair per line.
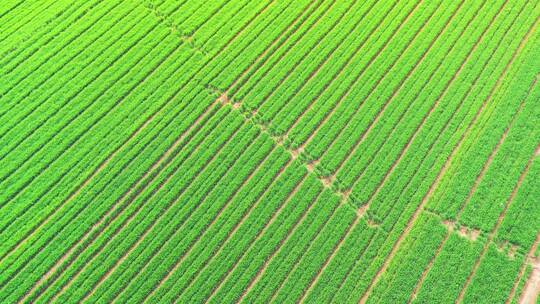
x,y
269,151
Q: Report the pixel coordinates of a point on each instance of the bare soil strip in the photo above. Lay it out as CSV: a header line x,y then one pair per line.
x,y
528,292
532,287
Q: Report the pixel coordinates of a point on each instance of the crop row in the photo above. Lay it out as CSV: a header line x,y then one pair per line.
x,y
494,278
389,18
12,63
402,212
405,268
519,290
102,193
319,111
310,19
284,66
213,10
521,221
36,67
177,79
245,268
78,129
449,270
300,276
307,242
342,51
25,121
193,138
131,225
163,270
446,122
249,45
168,88
522,141
19,30
294,74
63,97
398,112
184,214
339,268
203,266
493,131
9,7
366,71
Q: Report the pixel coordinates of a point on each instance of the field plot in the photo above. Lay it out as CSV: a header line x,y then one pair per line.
x,y
309,151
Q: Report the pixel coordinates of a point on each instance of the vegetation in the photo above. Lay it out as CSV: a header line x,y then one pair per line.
x,y
228,151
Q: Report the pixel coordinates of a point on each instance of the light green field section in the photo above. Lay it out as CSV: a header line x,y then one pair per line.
x,y
310,151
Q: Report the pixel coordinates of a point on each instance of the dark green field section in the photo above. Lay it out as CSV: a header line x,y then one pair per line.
x,y
272,151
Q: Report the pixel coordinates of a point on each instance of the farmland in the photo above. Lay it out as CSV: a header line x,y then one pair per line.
x,y
237,151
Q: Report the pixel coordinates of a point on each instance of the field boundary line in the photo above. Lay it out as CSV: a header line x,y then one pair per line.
x,y
165,20
248,116
278,142
470,124
232,39
491,156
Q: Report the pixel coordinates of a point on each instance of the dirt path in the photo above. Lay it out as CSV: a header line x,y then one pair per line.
x,y
532,287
